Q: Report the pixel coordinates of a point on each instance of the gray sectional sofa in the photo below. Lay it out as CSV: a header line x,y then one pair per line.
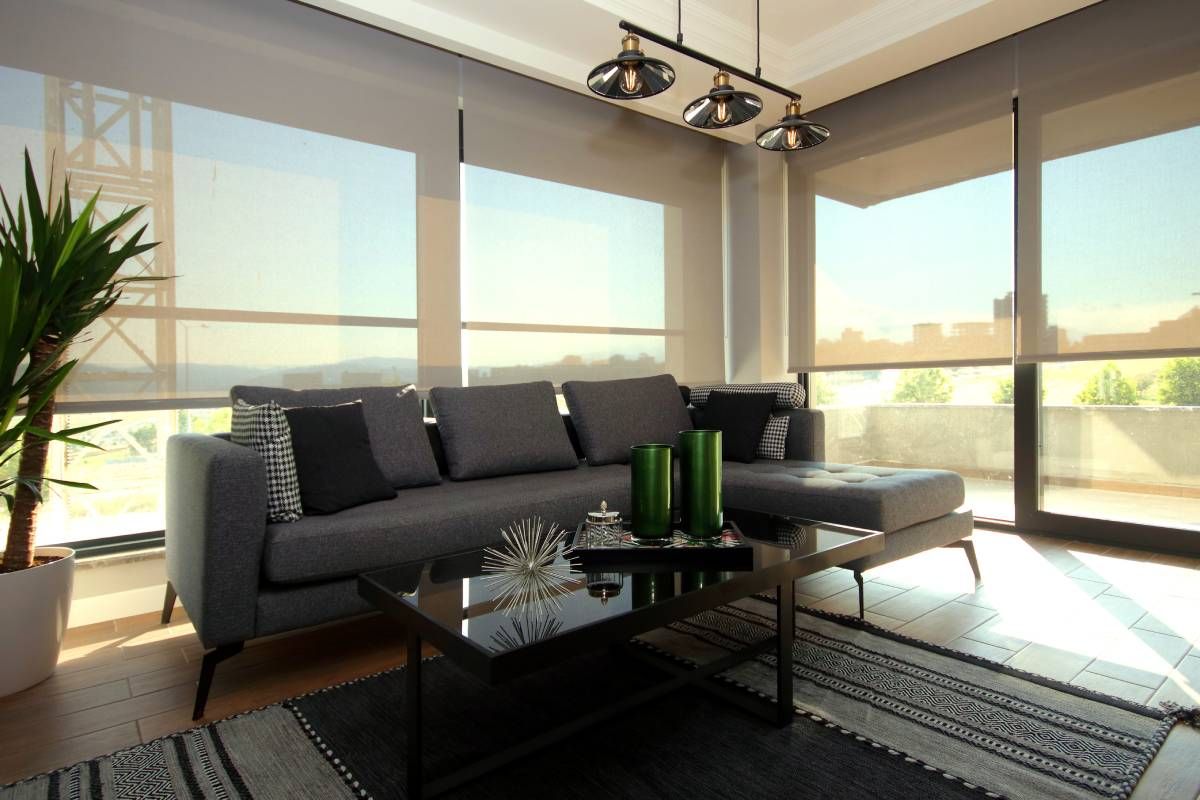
x,y
241,577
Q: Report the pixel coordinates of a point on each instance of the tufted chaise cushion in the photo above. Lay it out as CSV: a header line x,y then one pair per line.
x,y
878,498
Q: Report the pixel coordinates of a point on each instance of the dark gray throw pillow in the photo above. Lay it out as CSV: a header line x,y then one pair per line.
x,y
501,430
612,416
334,462
394,422
740,418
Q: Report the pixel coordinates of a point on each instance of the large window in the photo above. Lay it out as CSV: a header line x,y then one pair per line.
x,y
591,239
289,184
559,282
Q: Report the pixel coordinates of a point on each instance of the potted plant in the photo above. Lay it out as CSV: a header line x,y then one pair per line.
x,y
58,274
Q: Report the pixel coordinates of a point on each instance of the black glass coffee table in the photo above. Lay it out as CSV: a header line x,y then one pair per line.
x,y
450,603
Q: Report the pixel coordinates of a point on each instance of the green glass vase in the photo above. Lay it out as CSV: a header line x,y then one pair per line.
x,y
650,490
700,473
652,587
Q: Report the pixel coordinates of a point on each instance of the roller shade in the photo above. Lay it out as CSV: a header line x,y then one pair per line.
x,y
1110,184
301,173
900,226
592,238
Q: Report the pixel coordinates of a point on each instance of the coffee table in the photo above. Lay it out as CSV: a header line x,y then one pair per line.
x,y
449,603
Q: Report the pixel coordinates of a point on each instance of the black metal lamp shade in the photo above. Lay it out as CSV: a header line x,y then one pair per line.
x,y
631,75
793,132
723,106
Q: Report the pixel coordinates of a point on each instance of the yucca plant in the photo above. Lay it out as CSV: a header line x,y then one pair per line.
x,y
58,274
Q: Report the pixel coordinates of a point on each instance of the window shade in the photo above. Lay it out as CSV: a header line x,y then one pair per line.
x,y
591,241
900,226
300,172
1110,183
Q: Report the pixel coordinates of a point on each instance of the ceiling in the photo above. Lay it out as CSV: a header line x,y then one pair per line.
x,y
824,49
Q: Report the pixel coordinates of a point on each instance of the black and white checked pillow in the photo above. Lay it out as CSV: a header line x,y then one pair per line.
x,y
265,429
773,443
787,395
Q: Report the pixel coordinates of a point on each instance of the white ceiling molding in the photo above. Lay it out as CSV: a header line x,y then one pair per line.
x,y
705,29
889,22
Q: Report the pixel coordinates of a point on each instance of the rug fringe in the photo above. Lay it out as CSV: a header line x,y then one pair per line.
x,y
853,621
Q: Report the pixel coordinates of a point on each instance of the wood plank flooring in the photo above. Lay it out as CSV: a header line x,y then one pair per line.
x,y
1123,622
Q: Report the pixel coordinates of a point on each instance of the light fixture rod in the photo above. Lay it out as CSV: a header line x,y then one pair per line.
x,y
683,49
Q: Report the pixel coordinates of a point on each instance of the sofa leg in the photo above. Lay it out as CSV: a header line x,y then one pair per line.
x,y
208,668
859,580
968,547
168,603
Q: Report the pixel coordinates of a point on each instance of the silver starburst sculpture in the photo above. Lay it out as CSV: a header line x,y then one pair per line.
x,y
525,631
524,572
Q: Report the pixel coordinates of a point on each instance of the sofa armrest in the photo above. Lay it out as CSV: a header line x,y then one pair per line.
x,y
806,434
216,509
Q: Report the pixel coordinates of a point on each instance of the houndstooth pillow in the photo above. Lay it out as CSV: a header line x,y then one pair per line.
x,y
265,429
773,443
787,395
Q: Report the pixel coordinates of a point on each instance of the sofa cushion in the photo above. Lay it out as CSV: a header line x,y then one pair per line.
x,y
877,498
773,443
502,430
741,419
334,462
394,422
434,521
785,395
612,416
264,428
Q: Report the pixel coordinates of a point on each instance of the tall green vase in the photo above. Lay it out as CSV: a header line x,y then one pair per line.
x,y
651,478
700,473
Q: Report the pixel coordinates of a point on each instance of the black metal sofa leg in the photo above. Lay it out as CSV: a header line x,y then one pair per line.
x,y
208,668
168,603
859,580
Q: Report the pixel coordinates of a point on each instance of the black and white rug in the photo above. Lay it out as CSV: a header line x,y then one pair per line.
x,y
877,716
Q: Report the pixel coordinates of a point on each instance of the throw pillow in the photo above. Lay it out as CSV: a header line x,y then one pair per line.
x,y
334,461
773,444
787,395
264,428
502,430
612,416
394,422
740,418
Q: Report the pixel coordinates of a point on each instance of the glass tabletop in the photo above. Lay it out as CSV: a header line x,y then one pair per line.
x,y
492,597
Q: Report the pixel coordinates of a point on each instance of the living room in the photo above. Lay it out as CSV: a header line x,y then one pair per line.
x,y
815,383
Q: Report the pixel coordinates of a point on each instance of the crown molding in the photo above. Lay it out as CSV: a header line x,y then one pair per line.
x,y
887,23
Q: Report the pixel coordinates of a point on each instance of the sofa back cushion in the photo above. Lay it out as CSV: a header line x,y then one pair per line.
x,y
394,424
612,416
501,430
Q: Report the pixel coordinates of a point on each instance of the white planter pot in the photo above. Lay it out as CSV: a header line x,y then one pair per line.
x,y
34,606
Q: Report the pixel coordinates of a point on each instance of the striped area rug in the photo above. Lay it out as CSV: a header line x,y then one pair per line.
x,y
877,716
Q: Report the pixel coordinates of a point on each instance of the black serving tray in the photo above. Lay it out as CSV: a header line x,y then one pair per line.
x,y
731,552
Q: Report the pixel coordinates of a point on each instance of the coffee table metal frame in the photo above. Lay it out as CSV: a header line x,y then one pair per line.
x,y
610,632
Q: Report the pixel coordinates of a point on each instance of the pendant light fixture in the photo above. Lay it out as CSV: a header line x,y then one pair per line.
x,y
631,76
793,132
723,106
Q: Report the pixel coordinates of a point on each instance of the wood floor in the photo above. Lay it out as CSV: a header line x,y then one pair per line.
x,y
1122,622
